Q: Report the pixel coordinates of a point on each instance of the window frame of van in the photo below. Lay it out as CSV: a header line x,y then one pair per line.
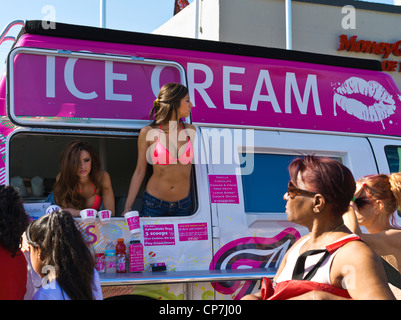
x,y
93,123
398,147
92,134
255,217
386,147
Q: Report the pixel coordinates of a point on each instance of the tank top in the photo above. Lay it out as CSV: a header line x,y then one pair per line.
x,y
322,273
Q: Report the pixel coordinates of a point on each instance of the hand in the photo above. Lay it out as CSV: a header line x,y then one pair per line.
x,y
126,209
24,244
360,188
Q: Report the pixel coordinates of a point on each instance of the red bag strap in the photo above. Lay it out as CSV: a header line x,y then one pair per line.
x,y
331,248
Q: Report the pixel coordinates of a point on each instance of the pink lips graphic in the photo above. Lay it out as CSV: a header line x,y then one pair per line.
x,y
366,100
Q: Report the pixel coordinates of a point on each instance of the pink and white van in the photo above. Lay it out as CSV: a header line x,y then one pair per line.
x,y
255,110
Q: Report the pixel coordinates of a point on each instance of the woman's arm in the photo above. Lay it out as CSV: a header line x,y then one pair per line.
x,y
359,270
351,222
107,193
140,170
349,218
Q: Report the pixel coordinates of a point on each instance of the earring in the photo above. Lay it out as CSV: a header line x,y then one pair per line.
x,y
316,210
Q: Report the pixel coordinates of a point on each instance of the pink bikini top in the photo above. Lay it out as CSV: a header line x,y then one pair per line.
x,y
163,157
98,199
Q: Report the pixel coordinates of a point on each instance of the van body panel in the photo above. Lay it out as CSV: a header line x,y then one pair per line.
x,y
228,88
255,110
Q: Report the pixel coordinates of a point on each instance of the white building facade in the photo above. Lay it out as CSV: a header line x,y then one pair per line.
x,y
346,28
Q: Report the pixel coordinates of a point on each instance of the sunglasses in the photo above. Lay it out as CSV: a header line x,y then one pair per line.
x,y
361,202
293,191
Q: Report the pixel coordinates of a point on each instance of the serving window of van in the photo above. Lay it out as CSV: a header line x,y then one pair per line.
x,y
34,164
265,187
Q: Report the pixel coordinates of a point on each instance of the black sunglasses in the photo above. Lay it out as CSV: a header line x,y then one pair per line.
x,y
293,191
362,201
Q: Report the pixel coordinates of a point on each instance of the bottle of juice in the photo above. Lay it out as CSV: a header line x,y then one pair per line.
x,y
121,261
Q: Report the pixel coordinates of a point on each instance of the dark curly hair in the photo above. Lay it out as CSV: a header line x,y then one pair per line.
x,y
63,247
13,219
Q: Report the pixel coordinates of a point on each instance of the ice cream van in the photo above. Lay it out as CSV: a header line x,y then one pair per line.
x,y
255,109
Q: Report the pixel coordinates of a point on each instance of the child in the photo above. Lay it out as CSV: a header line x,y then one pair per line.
x,y
60,256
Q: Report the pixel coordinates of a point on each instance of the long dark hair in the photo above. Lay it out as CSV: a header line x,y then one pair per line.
x,y
13,219
63,247
168,100
65,189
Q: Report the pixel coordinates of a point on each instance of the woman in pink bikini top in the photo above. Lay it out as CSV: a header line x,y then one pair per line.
x,y
167,144
81,184
162,156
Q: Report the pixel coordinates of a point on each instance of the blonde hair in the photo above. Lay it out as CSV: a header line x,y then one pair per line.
x,y
395,186
387,189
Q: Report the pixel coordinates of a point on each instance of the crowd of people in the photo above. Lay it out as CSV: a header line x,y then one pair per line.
x,y
335,260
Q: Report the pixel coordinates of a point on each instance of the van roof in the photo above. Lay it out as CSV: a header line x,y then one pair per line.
x,y
127,37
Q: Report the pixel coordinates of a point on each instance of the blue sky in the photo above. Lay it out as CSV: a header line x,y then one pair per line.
x,y
133,15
